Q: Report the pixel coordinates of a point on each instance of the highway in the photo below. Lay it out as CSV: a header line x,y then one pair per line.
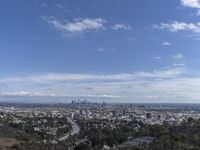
x,y
75,130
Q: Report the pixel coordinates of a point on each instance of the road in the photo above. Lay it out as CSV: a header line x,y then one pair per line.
x,y
75,130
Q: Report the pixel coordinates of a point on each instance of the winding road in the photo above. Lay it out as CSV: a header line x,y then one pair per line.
x,y
75,130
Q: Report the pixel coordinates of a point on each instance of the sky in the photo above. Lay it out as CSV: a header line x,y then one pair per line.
x,y
116,50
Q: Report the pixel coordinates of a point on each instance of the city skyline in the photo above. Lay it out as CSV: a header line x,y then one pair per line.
x,y
117,51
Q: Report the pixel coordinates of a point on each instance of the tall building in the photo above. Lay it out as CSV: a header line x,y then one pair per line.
x,y
148,115
114,113
124,112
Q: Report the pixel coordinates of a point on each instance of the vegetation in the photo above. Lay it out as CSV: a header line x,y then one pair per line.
x,y
66,129
185,136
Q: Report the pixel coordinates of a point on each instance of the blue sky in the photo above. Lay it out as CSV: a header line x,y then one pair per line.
x,y
138,51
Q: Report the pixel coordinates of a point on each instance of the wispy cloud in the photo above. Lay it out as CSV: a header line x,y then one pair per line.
x,y
24,93
43,5
34,94
178,56
79,25
179,65
198,13
106,49
165,43
59,5
158,57
170,73
121,27
179,26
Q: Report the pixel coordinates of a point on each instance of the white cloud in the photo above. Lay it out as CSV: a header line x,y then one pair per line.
x,y
121,26
178,56
170,73
158,57
106,49
81,25
191,3
180,26
77,26
179,65
165,43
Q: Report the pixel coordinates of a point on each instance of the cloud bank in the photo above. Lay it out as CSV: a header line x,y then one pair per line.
x,y
165,85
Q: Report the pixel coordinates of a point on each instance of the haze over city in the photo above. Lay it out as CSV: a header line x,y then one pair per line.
x,y
113,51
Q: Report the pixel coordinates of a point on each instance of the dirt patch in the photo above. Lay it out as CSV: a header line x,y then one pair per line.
x,y
7,143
